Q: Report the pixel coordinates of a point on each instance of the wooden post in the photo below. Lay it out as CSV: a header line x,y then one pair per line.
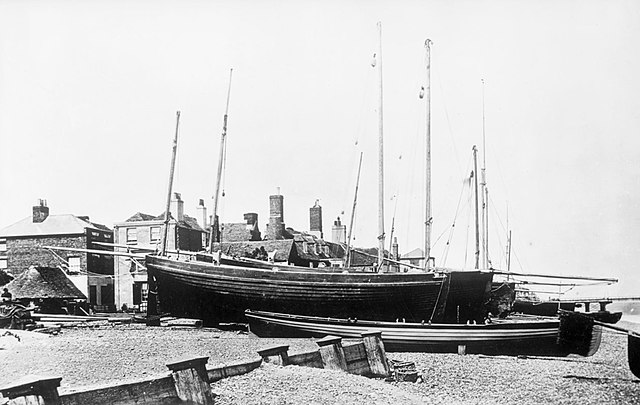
x,y
462,350
33,390
275,355
376,355
332,353
192,381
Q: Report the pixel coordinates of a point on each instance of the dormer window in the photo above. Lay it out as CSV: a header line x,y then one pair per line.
x,y
305,247
3,245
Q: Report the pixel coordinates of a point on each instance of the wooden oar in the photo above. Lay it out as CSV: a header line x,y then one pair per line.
x,y
633,340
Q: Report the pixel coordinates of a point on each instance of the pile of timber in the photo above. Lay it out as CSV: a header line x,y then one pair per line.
x,y
51,323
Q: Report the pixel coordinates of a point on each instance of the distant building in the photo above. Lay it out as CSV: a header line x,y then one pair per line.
x,y
21,246
415,257
147,231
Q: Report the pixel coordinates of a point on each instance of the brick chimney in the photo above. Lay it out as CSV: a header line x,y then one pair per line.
x,y
202,214
177,207
338,232
40,211
251,218
275,229
315,220
252,225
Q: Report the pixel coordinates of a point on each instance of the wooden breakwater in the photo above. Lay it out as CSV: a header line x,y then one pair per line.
x,y
188,381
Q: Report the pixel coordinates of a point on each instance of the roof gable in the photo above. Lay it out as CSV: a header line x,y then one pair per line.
x,y
64,224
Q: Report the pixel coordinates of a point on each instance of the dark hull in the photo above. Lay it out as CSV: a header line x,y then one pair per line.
x,y
222,293
499,338
219,294
605,316
543,308
467,296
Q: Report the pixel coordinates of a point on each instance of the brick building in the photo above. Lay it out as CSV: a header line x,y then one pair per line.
x,y
22,245
145,232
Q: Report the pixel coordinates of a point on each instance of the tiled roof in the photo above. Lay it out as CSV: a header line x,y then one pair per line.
x,y
139,216
187,221
65,224
243,249
43,282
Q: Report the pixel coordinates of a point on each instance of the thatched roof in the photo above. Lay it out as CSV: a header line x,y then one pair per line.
x,y
4,277
43,282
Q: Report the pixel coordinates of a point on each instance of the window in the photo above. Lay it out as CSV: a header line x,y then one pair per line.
x,y
132,235
155,234
4,263
3,245
144,291
74,265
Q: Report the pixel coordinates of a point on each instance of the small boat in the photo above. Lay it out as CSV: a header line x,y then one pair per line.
x,y
500,337
568,320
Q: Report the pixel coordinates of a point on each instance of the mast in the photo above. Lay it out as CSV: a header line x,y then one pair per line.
x,y
223,141
380,160
428,218
152,302
484,193
509,253
353,213
167,213
475,176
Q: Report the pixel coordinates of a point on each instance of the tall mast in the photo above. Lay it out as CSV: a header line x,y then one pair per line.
x,y
428,218
475,177
509,253
216,196
484,193
167,213
353,213
380,160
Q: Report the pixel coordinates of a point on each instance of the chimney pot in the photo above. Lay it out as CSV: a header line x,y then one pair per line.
x,y
40,211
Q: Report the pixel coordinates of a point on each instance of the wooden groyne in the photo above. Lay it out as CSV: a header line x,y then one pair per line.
x,y
188,380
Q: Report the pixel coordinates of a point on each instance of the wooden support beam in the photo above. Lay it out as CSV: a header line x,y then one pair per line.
x,y
277,355
192,381
332,353
376,354
33,390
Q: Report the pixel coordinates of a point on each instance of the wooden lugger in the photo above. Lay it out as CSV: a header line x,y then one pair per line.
x,y
501,337
220,293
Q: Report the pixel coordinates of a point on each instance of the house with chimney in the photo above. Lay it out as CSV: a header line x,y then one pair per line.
x,y
22,246
142,232
280,244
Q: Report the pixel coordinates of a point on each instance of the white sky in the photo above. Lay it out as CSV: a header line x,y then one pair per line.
x,y
89,91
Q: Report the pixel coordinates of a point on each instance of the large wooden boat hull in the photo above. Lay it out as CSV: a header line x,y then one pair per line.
x,y
531,337
221,293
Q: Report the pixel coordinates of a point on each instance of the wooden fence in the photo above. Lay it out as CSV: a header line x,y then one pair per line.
x,y
188,381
